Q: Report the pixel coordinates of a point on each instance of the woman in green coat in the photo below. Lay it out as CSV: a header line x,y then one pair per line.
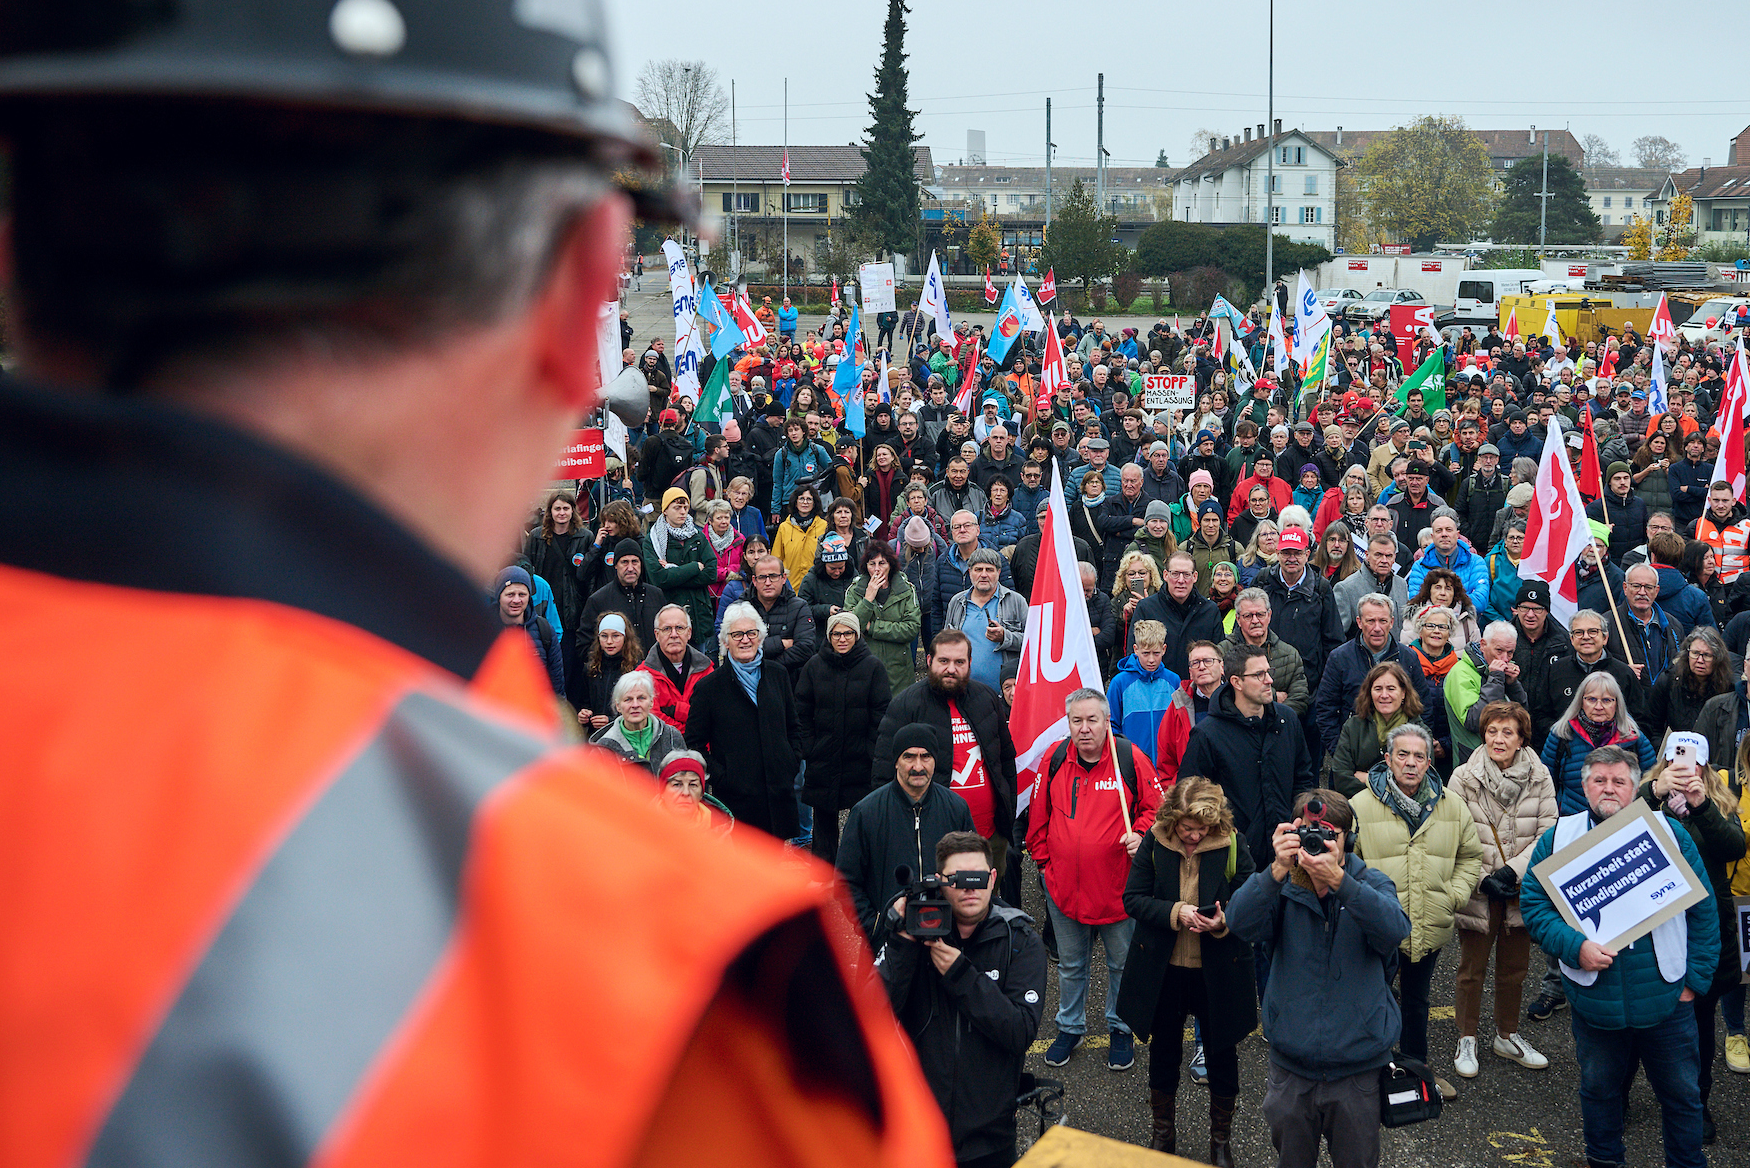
x,y
678,559
1386,700
886,605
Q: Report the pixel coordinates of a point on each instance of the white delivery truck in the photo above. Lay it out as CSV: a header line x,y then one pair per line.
x,y
1477,299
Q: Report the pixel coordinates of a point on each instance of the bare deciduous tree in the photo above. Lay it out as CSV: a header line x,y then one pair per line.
x,y
1659,153
1599,152
687,96
1199,145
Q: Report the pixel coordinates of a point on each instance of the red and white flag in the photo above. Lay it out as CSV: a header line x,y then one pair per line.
x,y
1660,332
968,380
1512,332
1729,466
990,289
785,169
1048,290
835,289
1178,327
1053,372
746,321
1057,656
1591,470
1556,530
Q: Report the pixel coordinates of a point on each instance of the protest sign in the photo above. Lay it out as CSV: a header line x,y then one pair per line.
x,y
876,283
1168,391
1407,322
1742,905
1622,879
585,457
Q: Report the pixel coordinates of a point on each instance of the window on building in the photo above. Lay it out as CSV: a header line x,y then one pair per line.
x,y
1014,200
1002,178
1312,214
1291,155
1604,219
743,203
805,204
1607,200
1312,184
1275,216
1660,216
1276,184
852,198
1628,201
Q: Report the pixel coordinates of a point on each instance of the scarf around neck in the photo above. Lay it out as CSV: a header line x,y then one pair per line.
x,y
662,531
748,673
639,740
720,545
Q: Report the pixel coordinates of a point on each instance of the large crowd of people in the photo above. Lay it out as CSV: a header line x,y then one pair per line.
x,y
1296,594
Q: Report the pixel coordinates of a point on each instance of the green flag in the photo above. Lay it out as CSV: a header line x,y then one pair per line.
x,y
1430,379
714,401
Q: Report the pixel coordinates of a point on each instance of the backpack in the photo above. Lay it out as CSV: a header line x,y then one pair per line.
x,y
1126,768
713,481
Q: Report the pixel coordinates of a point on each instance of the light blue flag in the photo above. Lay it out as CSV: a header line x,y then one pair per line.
x,y
847,382
727,335
1007,329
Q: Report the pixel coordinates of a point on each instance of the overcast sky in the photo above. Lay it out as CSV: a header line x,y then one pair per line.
x,y
1172,70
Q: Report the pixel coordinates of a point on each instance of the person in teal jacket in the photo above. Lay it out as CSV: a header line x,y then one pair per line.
x,y
1630,1004
1143,688
1504,579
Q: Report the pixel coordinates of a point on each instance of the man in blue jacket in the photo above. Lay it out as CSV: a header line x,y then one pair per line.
x,y
1332,925
1448,550
1631,1004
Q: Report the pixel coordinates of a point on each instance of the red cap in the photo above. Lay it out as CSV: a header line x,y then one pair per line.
x,y
670,418
1292,537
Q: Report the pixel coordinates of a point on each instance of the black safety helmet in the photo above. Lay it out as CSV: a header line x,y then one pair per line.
x,y
528,65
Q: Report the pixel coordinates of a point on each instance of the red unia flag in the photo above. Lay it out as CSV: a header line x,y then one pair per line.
x,y
835,289
990,289
745,320
968,378
1513,325
1729,466
1057,657
1053,373
1556,530
1048,290
1660,332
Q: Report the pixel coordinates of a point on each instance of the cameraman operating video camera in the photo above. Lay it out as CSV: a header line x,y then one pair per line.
x,y
969,996
1333,926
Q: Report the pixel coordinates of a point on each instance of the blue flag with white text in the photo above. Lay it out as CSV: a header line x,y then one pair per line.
x,y
847,382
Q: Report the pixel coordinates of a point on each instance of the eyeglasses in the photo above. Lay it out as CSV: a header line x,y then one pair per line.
x,y
1180,575
671,628
1642,587
1700,655
1438,628
768,577
743,634
1263,676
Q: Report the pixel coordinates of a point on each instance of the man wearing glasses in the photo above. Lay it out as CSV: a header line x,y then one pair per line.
x,y
791,637
1187,614
1587,632
1652,639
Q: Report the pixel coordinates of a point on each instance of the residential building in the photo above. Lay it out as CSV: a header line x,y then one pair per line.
x,y
1132,192
1226,185
1618,194
1721,194
746,183
1505,147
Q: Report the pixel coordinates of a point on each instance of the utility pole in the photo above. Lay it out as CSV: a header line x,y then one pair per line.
x,y
1543,199
1270,171
1100,144
734,185
784,196
1048,162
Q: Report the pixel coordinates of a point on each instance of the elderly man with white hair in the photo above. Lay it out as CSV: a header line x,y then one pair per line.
x,y
1486,672
743,720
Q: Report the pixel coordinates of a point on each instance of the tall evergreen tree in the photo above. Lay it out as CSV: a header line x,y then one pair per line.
x,y
1570,219
890,203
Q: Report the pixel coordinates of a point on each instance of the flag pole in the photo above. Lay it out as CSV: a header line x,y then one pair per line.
x,y
1118,776
1616,616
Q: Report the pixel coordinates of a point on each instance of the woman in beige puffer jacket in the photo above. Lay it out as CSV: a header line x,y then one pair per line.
x,y
1513,799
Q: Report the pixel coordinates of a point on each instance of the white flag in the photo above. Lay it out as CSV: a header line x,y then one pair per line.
x,y
1310,322
1551,329
1031,318
689,350
933,300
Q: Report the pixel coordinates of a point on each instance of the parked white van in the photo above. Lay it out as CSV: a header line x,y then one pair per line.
x,y
1480,291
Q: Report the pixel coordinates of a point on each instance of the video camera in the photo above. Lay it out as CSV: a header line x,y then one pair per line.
x,y
927,912
1315,835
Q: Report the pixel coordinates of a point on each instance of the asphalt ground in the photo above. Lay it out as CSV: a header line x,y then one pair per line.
x,y
1507,1116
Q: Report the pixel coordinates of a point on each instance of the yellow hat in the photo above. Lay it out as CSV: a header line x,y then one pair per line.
x,y
673,493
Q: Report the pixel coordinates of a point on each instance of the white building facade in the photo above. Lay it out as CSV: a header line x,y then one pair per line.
x,y
1227,186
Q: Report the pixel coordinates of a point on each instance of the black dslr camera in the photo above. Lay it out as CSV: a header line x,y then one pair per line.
x,y
927,912
1315,836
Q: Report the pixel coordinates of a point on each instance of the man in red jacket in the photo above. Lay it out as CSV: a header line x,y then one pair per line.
x,y
1087,821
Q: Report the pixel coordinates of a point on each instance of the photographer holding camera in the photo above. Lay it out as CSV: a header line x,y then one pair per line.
x,y
1333,926
969,994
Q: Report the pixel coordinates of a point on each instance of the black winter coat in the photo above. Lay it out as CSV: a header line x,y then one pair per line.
x,y
840,701
1628,518
982,707
821,593
1672,706
1535,662
1197,619
1260,763
886,831
1149,896
1025,561
639,605
972,1030
1477,502
1568,671
750,751
1345,670
1308,622
558,562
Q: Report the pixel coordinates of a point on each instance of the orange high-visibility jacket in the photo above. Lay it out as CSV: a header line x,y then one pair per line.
x,y
292,872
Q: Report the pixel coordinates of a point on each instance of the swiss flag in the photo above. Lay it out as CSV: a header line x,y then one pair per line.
x,y
1048,290
1661,333
1729,466
990,289
1057,656
1556,530
1512,331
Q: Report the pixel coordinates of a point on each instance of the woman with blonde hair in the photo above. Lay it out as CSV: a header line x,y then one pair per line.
x,y
1184,961
1510,795
1137,579
1260,551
